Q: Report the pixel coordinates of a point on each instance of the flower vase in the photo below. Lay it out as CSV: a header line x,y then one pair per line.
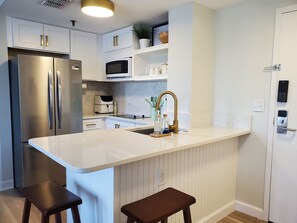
x,y
153,113
144,43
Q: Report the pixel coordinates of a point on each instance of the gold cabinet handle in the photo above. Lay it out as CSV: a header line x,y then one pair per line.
x,y
46,40
41,40
114,40
117,40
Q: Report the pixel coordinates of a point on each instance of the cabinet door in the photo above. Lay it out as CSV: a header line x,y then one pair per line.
x,y
26,34
56,39
111,124
119,39
84,47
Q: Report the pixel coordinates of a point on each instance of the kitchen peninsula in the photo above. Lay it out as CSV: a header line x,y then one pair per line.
x,y
110,168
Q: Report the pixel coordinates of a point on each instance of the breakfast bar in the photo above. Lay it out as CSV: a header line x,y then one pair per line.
x,y
110,168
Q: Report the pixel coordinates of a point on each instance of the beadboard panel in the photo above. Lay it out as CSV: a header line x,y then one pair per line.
x,y
207,172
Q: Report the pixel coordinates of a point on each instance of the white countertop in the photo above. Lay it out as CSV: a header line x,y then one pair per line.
x,y
100,149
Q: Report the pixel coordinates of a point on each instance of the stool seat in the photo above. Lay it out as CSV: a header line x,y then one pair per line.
x,y
159,206
50,198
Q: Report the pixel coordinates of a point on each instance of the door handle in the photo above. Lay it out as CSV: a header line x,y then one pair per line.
x,y
50,99
59,97
282,122
287,129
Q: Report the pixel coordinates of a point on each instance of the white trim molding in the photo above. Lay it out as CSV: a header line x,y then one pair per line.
x,y
219,214
5,185
249,210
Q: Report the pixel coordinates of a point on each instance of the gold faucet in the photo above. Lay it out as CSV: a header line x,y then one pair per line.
x,y
173,128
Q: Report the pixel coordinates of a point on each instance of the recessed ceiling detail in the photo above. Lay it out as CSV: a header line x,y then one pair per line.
x,y
58,4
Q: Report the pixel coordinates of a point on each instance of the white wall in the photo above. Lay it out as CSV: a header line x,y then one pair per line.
x,y
6,169
244,46
191,62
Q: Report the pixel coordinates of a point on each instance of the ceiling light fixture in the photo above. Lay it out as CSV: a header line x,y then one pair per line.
x,y
97,8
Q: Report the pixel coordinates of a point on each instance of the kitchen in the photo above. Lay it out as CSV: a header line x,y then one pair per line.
x,y
235,38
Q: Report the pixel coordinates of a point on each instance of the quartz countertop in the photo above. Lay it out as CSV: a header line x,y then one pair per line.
x,y
99,149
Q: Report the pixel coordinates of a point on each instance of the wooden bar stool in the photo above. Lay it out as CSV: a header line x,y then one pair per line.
x,y
159,206
50,198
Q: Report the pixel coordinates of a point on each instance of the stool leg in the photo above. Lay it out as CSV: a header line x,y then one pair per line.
x,y
164,220
58,217
75,214
26,212
187,215
130,220
45,219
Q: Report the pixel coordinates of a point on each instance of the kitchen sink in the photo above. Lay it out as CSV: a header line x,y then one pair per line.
x,y
144,131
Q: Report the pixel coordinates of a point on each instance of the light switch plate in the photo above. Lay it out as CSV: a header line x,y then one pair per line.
x,y
258,106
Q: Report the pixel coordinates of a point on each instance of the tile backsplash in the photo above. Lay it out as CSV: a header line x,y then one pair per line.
x,y
89,93
130,96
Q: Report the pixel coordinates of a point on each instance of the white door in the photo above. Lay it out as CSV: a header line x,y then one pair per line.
x,y
283,194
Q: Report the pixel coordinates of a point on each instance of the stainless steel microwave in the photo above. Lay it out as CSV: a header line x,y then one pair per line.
x,y
118,68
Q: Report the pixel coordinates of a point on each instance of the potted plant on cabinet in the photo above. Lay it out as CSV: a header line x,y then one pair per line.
x,y
144,33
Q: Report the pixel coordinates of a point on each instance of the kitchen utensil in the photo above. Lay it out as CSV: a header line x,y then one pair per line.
x,y
164,68
157,71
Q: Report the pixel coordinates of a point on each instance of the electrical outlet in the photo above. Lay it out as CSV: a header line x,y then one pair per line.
x,y
160,177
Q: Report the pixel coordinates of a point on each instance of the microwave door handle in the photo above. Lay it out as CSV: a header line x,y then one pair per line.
x,y
59,97
50,99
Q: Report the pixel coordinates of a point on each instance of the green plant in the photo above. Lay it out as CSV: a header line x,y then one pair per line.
x,y
142,31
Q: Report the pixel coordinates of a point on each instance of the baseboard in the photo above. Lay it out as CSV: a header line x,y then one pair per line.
x,y
249,210
4,185
219,214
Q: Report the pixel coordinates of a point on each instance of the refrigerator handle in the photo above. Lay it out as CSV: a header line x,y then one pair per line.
x,y
59,96
50,99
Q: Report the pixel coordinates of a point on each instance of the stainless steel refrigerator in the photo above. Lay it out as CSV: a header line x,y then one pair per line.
x,y
46,98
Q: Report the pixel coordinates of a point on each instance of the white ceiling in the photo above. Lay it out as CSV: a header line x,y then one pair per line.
x,y
126,12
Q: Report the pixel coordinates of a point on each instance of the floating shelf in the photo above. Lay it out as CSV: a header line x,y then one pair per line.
x,y
151,77
153,50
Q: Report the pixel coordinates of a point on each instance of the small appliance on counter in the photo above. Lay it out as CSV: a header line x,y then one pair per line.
x,y
103,104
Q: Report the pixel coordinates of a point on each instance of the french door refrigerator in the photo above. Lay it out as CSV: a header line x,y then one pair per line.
x,y
46,100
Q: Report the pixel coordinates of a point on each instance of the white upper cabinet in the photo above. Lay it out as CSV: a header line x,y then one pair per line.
x,y
56,39
32,35
85,47
27,34
119,39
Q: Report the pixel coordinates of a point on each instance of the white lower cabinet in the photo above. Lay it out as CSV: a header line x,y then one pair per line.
x,y
115,124
85,47
108,123
93,124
